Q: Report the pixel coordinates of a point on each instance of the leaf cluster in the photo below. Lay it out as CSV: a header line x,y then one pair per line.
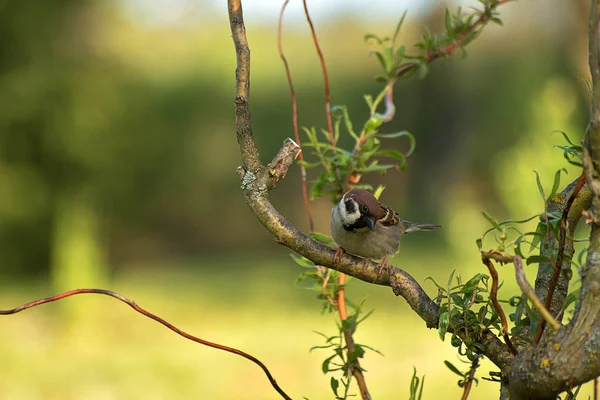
x,y
342,359
342,166
465,307
465,376
461,28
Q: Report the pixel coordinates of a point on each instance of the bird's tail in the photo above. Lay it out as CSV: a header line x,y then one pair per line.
x,y
415,226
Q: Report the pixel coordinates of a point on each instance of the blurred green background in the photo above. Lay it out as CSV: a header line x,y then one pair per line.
x,y
117,160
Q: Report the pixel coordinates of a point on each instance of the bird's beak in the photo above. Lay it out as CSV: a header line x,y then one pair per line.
x,y
371,223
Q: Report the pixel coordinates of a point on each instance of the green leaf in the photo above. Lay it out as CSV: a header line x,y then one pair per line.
x,y
381,59
321,237
325,365
498,21
400,54
539,185
369,100
348,123
449,21
411,138
399,25
571,298
556,183
307,164
394,154
452,368
568,140
492,221
334,385
371,36
541,231
302,261
444,322
378,191
375,166
430,278
537,259
373,123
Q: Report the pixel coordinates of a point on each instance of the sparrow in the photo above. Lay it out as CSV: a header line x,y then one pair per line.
x,y
363,226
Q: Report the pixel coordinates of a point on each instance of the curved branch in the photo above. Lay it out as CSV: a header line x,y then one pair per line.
x,y
158,319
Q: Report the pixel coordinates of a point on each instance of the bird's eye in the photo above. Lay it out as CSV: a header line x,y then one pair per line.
x,y
364,209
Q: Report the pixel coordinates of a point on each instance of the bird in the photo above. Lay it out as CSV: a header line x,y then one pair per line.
x,y
365,227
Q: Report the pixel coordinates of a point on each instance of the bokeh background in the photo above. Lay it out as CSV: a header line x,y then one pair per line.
x,y
117,159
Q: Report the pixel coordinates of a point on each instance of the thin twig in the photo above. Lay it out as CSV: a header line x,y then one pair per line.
x,y
559,257
471,377
327,91
325,75
354,365
288,73
148,314
530,293
494,297
452,47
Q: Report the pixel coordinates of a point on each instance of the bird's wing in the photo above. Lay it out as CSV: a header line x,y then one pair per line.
x,y
390,218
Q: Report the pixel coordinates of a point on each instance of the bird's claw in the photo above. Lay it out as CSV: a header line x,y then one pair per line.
x,y
382,265
337,257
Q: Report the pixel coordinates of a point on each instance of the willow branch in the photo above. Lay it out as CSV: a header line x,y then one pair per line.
x,y
494,297
354,365
452,47
325,75
470,378
288,73
530,293
256,184
156,318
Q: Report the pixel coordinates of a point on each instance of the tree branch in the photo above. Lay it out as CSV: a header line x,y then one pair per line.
x,y
354,365
156,318
530,293
242,101
571,205
256,184
549,276
571,356
494,297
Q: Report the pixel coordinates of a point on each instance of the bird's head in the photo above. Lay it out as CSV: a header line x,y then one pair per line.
x,y
359,209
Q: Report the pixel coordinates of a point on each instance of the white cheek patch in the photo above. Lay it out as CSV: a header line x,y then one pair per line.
x,y
349,218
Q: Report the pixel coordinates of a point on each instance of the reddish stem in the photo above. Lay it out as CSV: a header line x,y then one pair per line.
x,y
494,297
354,365
148,314
295,119
325,76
